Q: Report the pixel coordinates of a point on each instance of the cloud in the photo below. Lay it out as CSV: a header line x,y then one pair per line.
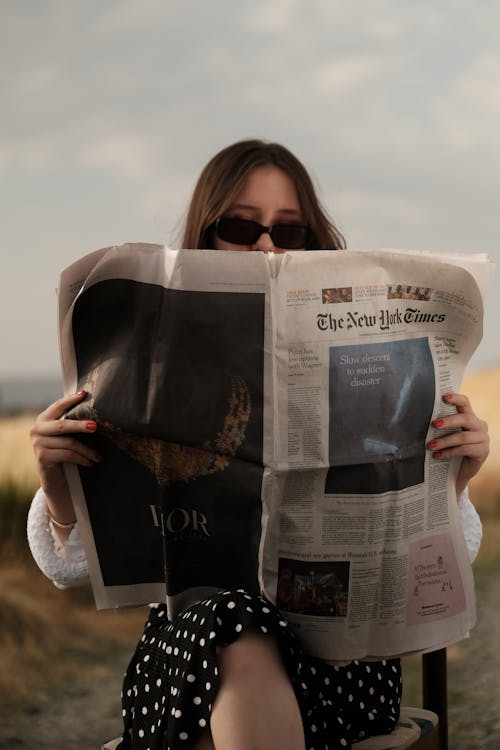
x,y
129,18
271,17
167,198
27,155
377,217
127,155
470,112
346,75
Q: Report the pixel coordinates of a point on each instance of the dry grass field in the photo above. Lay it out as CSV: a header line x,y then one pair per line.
x,y
483,389
17,463
55,650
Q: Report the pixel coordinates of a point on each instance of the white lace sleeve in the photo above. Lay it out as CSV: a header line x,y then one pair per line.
x,y
471,524
64,563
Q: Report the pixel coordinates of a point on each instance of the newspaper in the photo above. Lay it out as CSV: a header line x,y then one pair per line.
x,y
263,421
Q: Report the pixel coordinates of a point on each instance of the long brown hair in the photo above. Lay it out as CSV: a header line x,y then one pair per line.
x,y
223,178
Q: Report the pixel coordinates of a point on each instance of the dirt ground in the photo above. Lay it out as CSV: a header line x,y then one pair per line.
x,y
80,717
61,663
79,714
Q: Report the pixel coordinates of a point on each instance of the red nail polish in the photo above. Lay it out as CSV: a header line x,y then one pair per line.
x,y
438,423
91,426
432,444
447,396
438,454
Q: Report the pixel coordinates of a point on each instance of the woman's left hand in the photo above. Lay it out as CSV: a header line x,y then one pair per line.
x,y
470,439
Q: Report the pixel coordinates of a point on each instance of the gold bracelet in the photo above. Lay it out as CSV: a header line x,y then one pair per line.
x,y
58,523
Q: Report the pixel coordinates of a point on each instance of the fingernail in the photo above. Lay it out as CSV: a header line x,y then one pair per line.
x,y
98,459
438,423
447,397
81,394
432,444
438,454
91,426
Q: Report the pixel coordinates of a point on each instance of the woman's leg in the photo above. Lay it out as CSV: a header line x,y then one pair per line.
x,y
255,708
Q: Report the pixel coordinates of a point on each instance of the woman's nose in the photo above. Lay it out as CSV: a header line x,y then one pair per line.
x,y
264,243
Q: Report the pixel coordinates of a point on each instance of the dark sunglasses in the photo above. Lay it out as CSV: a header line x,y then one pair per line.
x,y
246,232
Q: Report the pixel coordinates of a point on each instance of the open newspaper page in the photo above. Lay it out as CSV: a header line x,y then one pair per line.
x,y
171,348
371,557
263,422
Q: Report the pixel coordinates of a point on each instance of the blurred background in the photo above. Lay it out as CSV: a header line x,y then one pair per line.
x,y
109,112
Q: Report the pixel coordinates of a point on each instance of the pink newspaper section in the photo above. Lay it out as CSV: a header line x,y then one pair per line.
x,y
435,588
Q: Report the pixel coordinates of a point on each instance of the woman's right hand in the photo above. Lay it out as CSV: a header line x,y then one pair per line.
x,y
55,442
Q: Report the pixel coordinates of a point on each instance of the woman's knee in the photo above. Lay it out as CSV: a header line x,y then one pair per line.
x,y
252,652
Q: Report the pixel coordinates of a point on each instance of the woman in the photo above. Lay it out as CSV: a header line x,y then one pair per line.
x,y
234,675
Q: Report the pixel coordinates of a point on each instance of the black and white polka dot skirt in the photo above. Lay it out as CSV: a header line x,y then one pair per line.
x,y
172,680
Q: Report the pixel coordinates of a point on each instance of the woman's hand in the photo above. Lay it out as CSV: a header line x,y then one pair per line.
x,y
471,439
54,442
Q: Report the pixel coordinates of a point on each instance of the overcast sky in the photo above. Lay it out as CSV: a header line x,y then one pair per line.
x,y
110,109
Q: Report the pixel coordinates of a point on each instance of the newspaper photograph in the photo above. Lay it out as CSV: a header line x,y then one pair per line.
x,y
263,421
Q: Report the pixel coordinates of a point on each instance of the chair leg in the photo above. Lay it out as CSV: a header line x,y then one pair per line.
x,y
430,741
435,690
